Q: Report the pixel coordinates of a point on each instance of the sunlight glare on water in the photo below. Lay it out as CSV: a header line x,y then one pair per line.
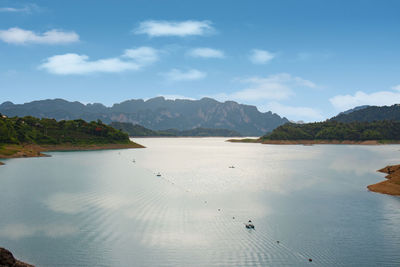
x,y
108,208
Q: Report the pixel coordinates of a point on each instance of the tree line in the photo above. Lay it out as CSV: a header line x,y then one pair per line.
x,y
334,130
21,130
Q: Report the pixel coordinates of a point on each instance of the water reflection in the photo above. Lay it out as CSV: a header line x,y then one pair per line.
x,y
73,203
18,231
173,238
99,209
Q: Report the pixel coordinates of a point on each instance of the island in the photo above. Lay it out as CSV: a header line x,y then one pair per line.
x,y
332,132
391,186
29,136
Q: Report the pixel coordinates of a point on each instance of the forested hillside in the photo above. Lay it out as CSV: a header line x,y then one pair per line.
x,y
138,130
333,130
32,130
370,113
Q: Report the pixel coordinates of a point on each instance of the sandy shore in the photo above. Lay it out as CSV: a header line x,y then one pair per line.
x,y
31,150
391,186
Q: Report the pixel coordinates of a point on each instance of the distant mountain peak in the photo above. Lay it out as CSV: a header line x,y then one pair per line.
x,y
6,104
157,113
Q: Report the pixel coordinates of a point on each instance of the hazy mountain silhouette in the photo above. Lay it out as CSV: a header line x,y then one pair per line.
x,y
157,113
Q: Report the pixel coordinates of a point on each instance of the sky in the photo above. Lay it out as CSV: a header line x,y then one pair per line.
x,y
305,60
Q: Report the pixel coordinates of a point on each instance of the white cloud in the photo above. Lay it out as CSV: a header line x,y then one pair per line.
x,y
303,113
306,83
189,75
258,56
25,9
157,28
80,64
11,9
21,36
264,92
273,87
380,98
143,55
132,59
396,88
206,52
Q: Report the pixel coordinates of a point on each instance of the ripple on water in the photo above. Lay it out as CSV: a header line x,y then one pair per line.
x,y
125,216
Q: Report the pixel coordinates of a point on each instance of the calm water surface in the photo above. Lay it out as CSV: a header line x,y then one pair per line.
x,y
100,208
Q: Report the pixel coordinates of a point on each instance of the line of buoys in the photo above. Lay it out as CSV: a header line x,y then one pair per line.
x,y
248,225
294,252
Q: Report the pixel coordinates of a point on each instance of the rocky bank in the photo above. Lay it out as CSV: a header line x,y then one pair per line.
x,y
7,260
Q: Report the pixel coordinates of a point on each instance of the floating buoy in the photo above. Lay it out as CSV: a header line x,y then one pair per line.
x,y
277,241
250,225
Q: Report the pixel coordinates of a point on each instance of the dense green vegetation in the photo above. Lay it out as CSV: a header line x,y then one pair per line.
x,y
369,114
333,130
138,130
203,132
32,130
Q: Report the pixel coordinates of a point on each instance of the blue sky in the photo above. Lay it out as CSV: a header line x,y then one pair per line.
x,y
306,60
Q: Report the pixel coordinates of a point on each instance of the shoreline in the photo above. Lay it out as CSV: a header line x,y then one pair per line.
x,y
184,137
8,151
391,186
7,259
315,142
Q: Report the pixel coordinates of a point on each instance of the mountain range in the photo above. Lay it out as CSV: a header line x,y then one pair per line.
x,y
157,114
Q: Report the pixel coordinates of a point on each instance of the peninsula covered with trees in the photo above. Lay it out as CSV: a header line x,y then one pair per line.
x,y
29,136
335,132
380,131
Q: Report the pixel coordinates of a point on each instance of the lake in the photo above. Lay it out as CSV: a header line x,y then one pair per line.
x,y
108,208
